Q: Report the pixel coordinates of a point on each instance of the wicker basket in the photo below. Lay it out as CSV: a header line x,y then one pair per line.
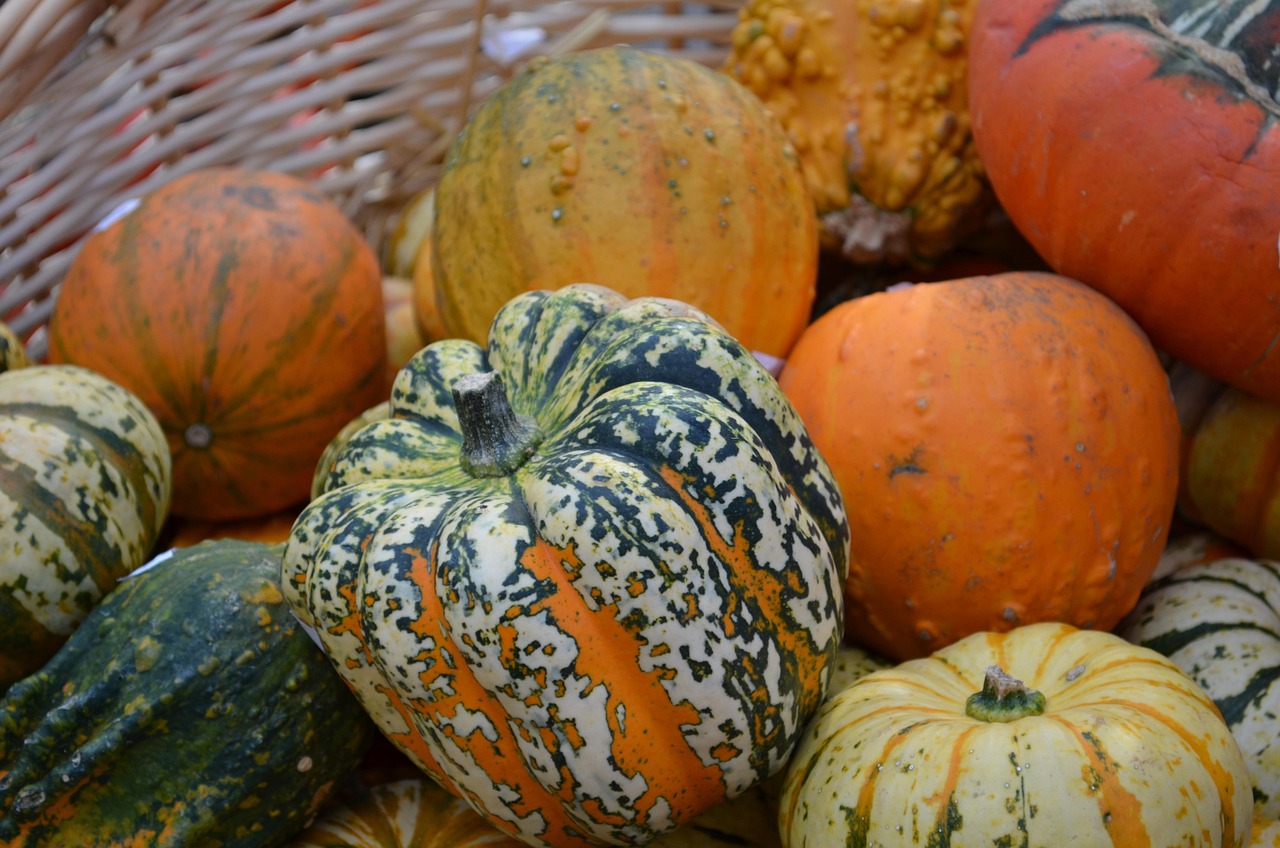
x,y
101,102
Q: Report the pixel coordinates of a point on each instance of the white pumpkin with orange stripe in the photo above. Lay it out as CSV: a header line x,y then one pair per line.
x,y
1037,736
590,575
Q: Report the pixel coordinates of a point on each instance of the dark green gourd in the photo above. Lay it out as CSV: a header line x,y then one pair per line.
x,y
190,708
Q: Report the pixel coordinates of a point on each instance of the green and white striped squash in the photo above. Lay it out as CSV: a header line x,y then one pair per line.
x,y
1219,622
602,609
85,483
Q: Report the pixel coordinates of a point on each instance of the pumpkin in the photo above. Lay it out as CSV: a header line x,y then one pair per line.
x,y
1266,833
588,576
873,97
404,333
1020,738
649,174
189,708
419,813
411,231
1010,444
1219,621
84,491
1189,547
1230,458
247,313
324,466
1135,145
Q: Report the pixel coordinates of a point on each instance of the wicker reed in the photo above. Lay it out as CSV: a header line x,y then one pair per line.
x,y
101,102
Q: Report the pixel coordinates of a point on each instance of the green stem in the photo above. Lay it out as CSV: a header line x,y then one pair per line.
x,y
495,441
1003,698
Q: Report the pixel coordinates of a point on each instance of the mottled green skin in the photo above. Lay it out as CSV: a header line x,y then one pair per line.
x,y
189,709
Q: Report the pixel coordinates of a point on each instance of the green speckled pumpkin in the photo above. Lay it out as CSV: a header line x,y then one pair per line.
x,y
85,483
1219,621
189,709
588,576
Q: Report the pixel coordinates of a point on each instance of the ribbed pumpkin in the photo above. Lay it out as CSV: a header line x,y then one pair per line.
x,y
1230,460
1136,146
85,483
189,709
873,96
1045,735
1220,623
247,313
1008,450
588,576
648,174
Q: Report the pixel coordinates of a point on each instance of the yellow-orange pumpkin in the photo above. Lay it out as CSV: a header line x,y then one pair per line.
x,y
1007,447
246,312
648,174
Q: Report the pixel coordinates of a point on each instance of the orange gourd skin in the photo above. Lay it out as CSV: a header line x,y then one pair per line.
x,y
247,313
1134,166
1007,447
650,175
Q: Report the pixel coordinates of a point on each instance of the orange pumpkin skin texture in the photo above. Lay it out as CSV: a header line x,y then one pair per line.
x,y
649,175
1133,160
247,313
1006,446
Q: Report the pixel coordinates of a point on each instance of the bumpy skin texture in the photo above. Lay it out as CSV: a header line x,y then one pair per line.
x,y
645,173
1135,145
246,311
629,628
1218,621
1128,752
1011,445
85,483
189,709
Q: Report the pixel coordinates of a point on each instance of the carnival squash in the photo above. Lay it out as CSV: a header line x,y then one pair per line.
x,y
589,576
1044,735
1220,623
247,313
85,483
189,709
1007,448
648,174
1136,146
873,96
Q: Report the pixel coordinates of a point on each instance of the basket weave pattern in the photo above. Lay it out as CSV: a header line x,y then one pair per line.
x,y
101,102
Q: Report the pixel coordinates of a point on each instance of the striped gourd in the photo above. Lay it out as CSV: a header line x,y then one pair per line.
x,y
1219,621
1044,735
601,609
84,489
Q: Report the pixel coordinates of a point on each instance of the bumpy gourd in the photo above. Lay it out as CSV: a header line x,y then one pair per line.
x,y
189,709
873,94
606,605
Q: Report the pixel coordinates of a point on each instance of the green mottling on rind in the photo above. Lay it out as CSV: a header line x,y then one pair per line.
x,y
95,733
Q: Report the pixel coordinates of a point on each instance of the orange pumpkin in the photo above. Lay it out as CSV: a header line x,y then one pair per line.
x,y
246,312
644,173
1137,147
1007,447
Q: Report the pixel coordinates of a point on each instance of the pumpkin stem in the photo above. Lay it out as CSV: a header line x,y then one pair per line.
x,y
495,441
1003,698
